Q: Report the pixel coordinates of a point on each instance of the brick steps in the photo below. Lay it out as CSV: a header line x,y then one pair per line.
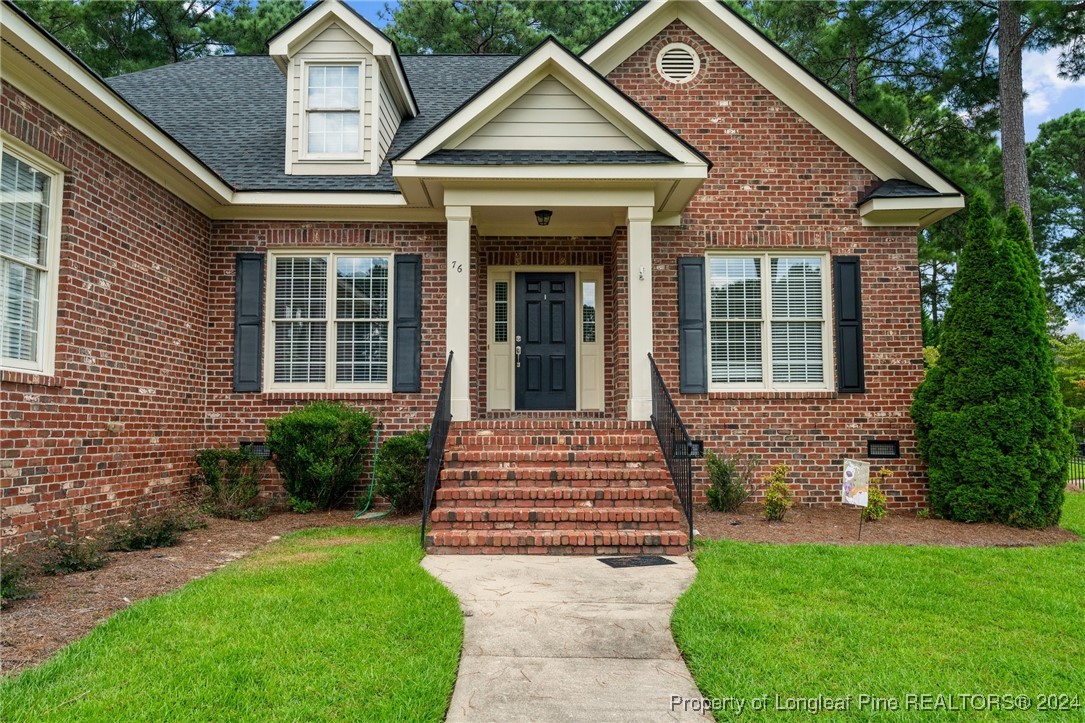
x,y
557,485
544,542
494,476
610,458
556,518
558,496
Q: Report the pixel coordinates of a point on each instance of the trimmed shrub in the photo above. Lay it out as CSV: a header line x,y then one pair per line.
x,y
989,419
401,470
157,528
778,495
231,478
16,573
729,480
320,451
62,554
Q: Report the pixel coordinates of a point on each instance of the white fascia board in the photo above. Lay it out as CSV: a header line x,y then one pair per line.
x,y
72,90
594,172
540,196
287,44
781,76
919,211
552,59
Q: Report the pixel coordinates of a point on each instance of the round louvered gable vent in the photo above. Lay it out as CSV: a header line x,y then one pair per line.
x,y
678,63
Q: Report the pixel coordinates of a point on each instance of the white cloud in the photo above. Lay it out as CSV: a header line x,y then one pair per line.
x,y
1076,326
1045,89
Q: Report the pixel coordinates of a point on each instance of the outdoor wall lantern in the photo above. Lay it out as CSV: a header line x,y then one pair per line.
x,y
543,216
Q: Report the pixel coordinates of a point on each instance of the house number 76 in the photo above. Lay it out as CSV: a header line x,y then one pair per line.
x,y
456,266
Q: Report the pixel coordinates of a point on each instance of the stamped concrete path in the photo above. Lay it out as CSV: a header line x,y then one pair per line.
x,y
550,639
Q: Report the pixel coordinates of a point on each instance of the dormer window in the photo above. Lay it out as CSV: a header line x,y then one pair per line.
x,y
333,113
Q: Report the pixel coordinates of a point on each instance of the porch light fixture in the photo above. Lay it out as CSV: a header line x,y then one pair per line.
x,y
543,216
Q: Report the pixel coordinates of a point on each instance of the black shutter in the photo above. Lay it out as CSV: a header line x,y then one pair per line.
x,y
848,301
248,322
692,326
407,327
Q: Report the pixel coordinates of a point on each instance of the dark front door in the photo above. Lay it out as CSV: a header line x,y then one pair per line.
x,y
545,341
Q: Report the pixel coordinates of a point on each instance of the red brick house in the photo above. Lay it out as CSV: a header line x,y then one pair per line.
x,y
190,250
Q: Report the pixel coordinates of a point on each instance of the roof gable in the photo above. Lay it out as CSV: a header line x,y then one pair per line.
x,y
549,116
553,77
769,65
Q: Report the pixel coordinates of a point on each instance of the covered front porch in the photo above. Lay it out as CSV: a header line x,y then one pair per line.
x,y
538,316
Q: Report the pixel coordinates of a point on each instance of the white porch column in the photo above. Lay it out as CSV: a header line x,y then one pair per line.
x,y
458,308
639,230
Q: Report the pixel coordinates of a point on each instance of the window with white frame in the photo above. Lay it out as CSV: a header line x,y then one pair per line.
x,y
330,320
333,111
28,258
767,321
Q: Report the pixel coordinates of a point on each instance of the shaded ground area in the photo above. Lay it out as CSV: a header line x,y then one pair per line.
x,y
840,526
67,607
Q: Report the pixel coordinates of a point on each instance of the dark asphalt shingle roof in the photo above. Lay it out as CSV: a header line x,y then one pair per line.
x,y
897,188
520,158
229,112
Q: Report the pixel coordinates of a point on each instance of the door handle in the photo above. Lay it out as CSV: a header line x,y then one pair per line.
x,y
518,356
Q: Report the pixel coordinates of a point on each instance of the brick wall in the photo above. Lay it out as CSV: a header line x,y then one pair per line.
x,y
232,417
116,424
778,183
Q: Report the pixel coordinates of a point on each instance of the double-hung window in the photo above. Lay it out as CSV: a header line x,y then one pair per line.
x,y
29,218
333,116
768,325
330,320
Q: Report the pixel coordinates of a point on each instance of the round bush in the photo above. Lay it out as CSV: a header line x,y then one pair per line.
x,y
401,470
320,451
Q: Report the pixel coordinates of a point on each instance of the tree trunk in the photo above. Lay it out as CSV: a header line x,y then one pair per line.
x,y
1011,108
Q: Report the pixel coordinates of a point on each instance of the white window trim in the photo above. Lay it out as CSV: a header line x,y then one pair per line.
x,y
329,383
303,121
46,363
827,331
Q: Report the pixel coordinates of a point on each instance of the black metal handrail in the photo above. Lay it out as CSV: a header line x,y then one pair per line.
x,y
679,449
435,445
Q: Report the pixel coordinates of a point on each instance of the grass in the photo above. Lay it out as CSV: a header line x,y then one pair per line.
x,y
322,625
801,621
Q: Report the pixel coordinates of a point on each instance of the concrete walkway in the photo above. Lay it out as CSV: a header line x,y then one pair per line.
x,y
552,639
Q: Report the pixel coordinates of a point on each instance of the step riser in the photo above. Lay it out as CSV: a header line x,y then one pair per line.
x,y
554,496
533,457
595,551
637,441
557,542
567,516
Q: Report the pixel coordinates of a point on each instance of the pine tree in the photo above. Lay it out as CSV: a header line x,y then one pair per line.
x,y
990,423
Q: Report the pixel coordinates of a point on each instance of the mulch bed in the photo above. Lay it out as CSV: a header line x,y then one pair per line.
x,y
65,608
840,526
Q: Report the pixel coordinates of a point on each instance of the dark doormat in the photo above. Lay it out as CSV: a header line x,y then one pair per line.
x,y
636,561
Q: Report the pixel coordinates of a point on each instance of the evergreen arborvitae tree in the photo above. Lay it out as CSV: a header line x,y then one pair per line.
x,y
990,423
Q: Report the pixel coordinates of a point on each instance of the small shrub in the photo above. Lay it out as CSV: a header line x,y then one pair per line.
x,y
62,554
302,507
778,495
923,513
401,470
320,450
876,502
729,480
158,528
16,573
232,481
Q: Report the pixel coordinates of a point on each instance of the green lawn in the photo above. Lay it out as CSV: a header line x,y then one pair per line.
x,y
322,625
801,621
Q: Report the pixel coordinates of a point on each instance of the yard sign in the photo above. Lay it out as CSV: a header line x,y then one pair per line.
x,y
856,482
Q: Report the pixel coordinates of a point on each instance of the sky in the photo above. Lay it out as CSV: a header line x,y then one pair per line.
x,y
1049,96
